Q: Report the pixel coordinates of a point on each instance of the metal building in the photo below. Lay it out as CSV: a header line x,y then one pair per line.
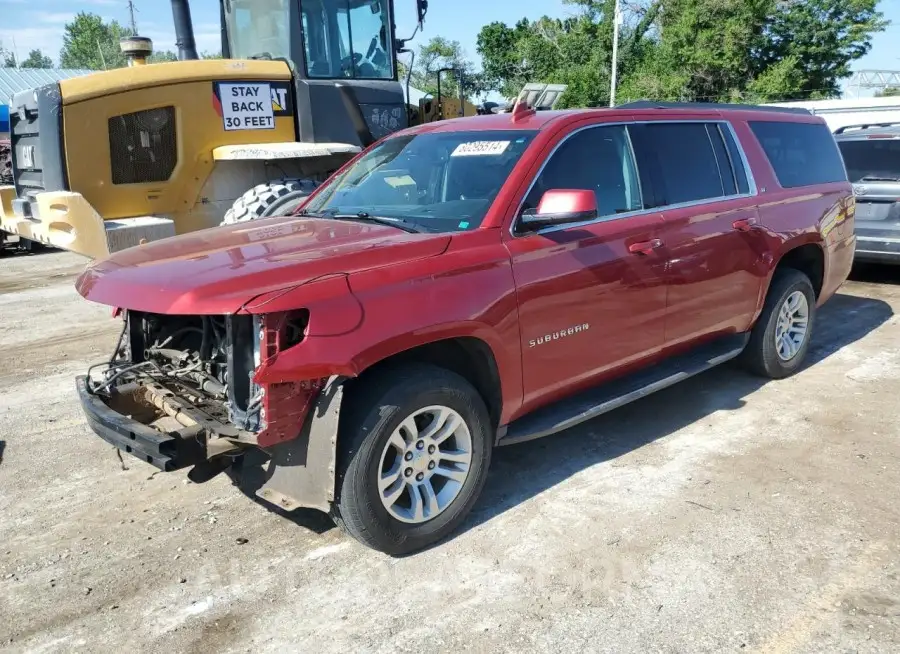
x,y
13,80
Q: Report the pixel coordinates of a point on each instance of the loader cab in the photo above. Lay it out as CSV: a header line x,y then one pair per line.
x,y
343,57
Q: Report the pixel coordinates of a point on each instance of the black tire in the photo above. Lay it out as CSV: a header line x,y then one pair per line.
x,y
761,354
276,198
374,410
6,176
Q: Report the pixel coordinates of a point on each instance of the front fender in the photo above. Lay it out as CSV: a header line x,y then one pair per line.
x,y
357,322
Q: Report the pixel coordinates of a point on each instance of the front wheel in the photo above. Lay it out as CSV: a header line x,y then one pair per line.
x,y
780,339
415,453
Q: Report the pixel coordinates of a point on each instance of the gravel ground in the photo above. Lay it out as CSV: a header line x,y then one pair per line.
x,y
720,515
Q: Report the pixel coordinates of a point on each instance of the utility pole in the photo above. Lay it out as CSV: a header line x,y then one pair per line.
x,y
617,19
100,50
131,10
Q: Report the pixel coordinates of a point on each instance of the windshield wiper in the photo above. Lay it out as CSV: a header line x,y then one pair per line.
x,y
399,223
877,178
310,214
363,216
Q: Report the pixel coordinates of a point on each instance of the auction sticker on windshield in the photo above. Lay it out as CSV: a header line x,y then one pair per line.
x,y
251,105
480,147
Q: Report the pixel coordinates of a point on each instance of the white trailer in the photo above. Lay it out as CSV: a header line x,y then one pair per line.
x,y
850,112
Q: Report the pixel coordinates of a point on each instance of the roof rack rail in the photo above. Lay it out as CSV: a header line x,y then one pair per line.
x,y
712,106
841,130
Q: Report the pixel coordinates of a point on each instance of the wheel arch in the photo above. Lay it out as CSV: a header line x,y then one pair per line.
x,y
804,254
471,357
807,257
313,484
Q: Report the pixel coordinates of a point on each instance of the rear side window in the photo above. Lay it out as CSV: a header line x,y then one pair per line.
x,y
802,154
684,161
875,160
729,184
737,163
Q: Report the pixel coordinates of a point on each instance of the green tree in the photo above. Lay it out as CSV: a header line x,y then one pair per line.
x,y
758,50
891,91
167,55
503,66
90,43
7,58
824,36
435,55
576,51
161,57
707,44
697,50
37,59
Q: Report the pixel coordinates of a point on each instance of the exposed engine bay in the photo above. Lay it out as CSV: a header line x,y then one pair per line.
x,y
186,375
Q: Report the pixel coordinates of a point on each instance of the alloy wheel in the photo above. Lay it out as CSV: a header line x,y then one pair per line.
x,y
424,464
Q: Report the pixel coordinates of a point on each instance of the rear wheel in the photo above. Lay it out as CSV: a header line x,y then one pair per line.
x,y
415,453
780,339
278,198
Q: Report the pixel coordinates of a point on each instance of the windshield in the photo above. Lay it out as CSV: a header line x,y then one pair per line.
x,y
872,159
258,28
341,38
442,182
347,39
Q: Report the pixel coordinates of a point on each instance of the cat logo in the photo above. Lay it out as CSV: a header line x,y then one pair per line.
x,y
279,99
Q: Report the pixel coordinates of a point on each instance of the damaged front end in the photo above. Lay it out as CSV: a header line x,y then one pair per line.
x,y
179,391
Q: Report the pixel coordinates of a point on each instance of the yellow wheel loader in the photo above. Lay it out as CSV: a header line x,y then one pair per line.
x,y
120,157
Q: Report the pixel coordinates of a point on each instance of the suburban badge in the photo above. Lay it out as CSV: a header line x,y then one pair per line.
x,y
555,336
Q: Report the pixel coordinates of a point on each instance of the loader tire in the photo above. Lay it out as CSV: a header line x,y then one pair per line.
x,y
6,176
277,198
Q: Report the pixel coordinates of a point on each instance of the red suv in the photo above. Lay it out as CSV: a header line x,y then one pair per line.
x,y
468,284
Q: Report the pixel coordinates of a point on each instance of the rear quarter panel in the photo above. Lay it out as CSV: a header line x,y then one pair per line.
x,y
822,215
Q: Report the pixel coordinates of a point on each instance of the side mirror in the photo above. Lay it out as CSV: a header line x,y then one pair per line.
x,y
421,9
561,206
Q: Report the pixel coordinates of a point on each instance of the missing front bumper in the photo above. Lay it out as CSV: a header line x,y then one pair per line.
x,y
167,450
300,472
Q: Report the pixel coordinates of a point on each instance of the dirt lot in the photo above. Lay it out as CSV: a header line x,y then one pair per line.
x,y
720,515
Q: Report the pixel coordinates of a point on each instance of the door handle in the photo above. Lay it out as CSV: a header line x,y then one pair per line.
x,y
744,224
645,247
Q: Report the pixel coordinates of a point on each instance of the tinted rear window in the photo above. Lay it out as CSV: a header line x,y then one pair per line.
x,y
873,160
802,154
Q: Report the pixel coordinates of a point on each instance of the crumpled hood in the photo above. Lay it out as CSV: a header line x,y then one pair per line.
x,y
217,271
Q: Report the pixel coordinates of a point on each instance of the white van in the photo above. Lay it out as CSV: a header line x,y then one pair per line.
x,y
852,112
